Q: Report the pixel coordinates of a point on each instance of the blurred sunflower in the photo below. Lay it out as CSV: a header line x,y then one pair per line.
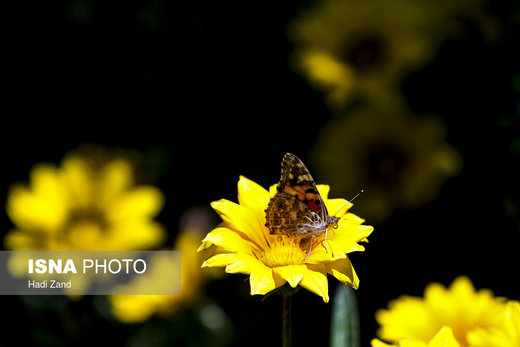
x,y
244,245
400,159
345,47
508,334
350,47
444,338
459,307
82,206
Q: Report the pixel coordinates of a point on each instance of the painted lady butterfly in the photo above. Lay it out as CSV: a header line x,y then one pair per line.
x,y
297,208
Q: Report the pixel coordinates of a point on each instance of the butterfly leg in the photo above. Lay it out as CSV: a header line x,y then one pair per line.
x,y
326,247
310,248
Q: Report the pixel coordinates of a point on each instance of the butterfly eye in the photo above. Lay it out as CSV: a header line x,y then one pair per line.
x,y
335,226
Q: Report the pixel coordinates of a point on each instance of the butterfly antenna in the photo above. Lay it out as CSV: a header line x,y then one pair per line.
x,y
349,202
358,194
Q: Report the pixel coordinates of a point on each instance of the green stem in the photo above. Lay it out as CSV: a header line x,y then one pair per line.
x,y
287,321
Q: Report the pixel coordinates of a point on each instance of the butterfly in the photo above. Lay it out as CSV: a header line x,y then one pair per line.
x,y
297,208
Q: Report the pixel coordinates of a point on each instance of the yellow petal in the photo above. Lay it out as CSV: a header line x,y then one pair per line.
x,y
412,343
320,254
21,241
328,73
241,219
204,245
137,308
344,271
44,208
78,178
249,192
513,319
315,280
444,338
272,190
114,179
228,240
254,197
340,242
222,259
462,285
245,264
351,218
263,280
291,273
323,189
346,237
406,317
337,207
136,203
378,343
45,182
142,233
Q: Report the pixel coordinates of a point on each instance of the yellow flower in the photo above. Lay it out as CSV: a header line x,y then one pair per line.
x,y
352,48
79,206
507,335
460,307
244,245
400,159
444,338
349,46
138,308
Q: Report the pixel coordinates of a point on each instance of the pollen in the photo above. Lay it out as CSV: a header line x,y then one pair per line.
x,y
283,251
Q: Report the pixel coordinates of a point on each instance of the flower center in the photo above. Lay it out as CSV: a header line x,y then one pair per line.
x,y
387,165
365,52
85,226
284,251
87,215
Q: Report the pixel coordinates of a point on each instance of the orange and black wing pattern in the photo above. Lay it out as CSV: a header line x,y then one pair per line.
x,y
297,200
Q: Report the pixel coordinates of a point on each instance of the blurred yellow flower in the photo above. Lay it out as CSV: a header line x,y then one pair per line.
x,y
507,335
244,245
400,159
349,46
79,206
138,308
460,307
444,338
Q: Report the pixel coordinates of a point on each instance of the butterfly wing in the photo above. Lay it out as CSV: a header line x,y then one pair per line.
x,y
296,180
286,214
297,208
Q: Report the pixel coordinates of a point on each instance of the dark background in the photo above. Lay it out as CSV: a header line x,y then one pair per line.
x,y
206,89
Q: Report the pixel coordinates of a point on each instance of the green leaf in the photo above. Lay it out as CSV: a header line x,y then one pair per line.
x,y
344,330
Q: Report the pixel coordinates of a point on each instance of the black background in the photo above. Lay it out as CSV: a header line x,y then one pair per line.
x,y
206,86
